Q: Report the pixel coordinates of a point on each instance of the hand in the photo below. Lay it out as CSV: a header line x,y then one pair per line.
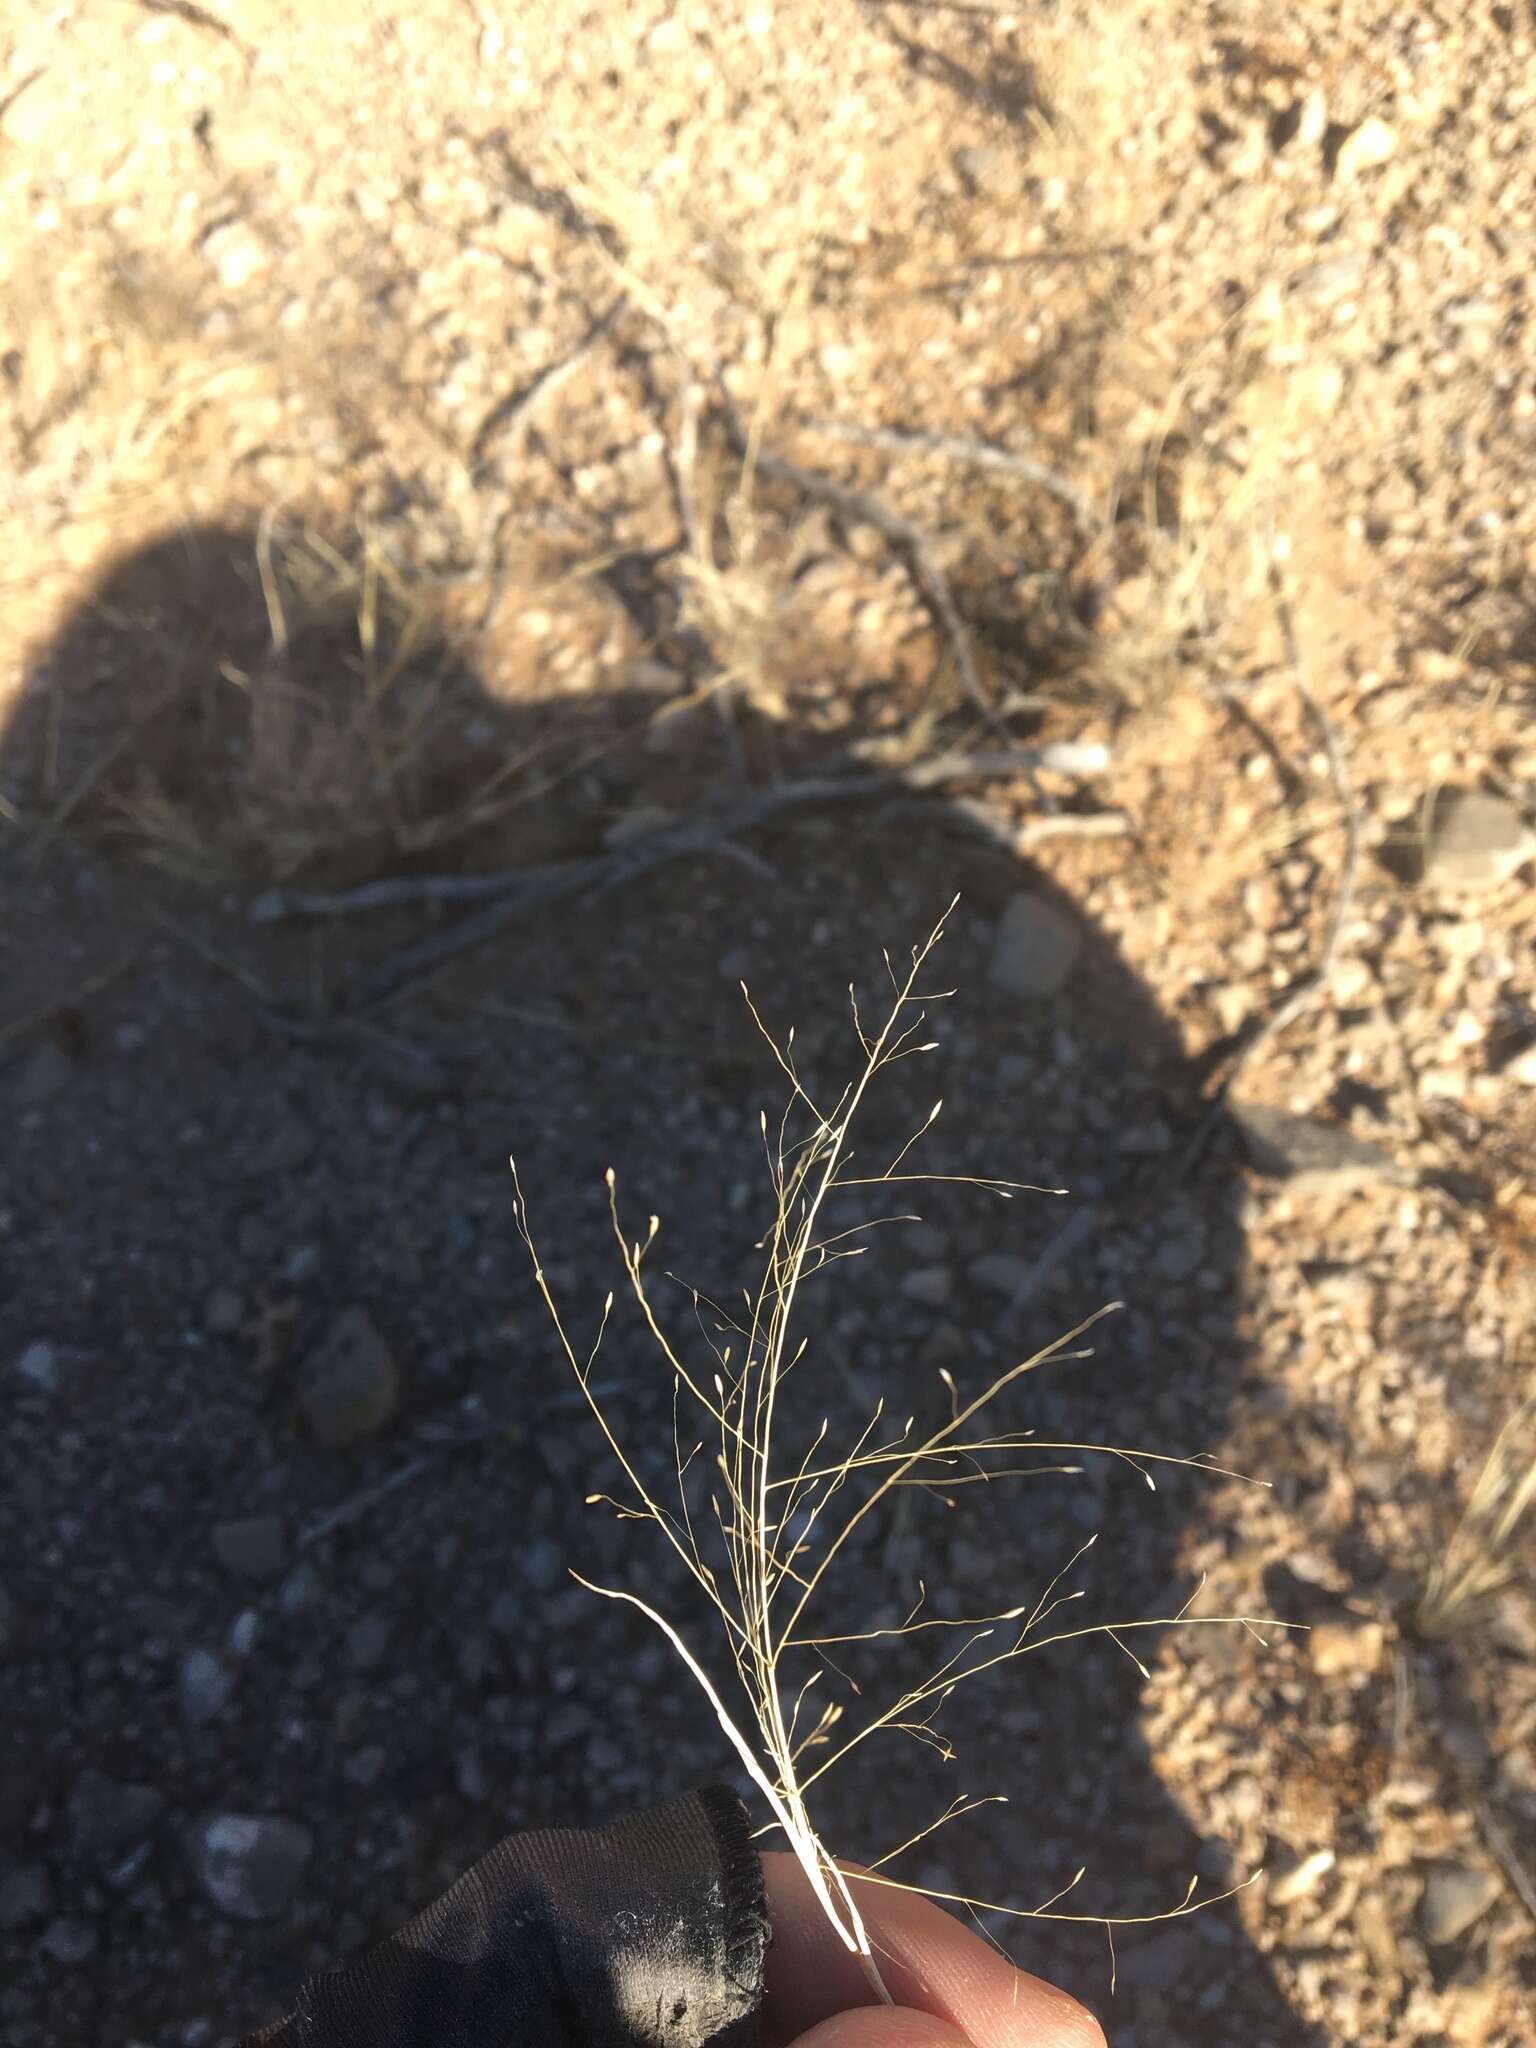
x,y
952,1990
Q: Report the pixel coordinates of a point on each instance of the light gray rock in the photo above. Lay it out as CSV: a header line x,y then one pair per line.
x,y
301,1264
1334,278
1455,1896
1000,1272
223,1312
1348,1646
469,1775
1305,1149
1365,148
301,1590
1034,948
38,1365
1075,758
1293,1877
350,1386
254,1547
235,253
1473,841
929,1286
248,1864
204,1686
70,1942
243,1632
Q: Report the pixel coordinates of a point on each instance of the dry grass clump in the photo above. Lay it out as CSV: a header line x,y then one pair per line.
x,y
737,569
1480,1558
788,1507
263,707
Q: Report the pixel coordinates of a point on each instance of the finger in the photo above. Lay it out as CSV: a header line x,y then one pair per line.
x,y
883,2026
929,1962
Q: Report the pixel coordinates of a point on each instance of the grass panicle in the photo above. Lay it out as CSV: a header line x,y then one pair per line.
x,y
785,1509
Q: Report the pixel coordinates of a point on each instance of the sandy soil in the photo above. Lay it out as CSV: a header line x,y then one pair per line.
x,y
462,440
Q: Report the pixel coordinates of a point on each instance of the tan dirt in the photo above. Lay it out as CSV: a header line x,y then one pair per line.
x,y
368,382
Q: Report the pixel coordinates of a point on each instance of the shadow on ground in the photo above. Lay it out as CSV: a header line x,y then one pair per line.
x,y
293,1472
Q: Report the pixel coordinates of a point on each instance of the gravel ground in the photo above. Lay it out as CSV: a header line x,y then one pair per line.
x,y
375,512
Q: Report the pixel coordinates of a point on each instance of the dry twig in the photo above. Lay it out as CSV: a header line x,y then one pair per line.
x,y
510,416
508,894
978,454
537,886
910,543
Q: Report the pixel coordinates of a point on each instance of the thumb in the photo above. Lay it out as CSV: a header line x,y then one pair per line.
x,y
883,2026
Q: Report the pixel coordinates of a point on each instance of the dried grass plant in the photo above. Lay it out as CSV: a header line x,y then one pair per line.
x,y
1479,1560
784,1510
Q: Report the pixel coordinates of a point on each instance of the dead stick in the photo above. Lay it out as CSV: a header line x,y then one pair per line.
x,y
979,454
1074,825
557,879
511,414
909,541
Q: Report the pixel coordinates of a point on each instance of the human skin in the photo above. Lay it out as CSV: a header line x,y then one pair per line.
x,y
951,1989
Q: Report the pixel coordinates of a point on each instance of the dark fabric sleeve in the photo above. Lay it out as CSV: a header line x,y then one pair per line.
x,y
649,1933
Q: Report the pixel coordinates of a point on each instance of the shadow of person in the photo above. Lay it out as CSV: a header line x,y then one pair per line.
x,y
292,1467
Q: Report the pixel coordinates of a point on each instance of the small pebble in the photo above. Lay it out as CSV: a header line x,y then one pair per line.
x,y
1346,1646
1371,144
249,1865
223,1312
243,1631
929,1286
70,1942
1455,1896
350,1386
1034,948
38,1365
469,1776
1297,1877
1473,841
204,1685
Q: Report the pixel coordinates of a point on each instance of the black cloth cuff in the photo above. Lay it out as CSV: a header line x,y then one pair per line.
x,y
648,1933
